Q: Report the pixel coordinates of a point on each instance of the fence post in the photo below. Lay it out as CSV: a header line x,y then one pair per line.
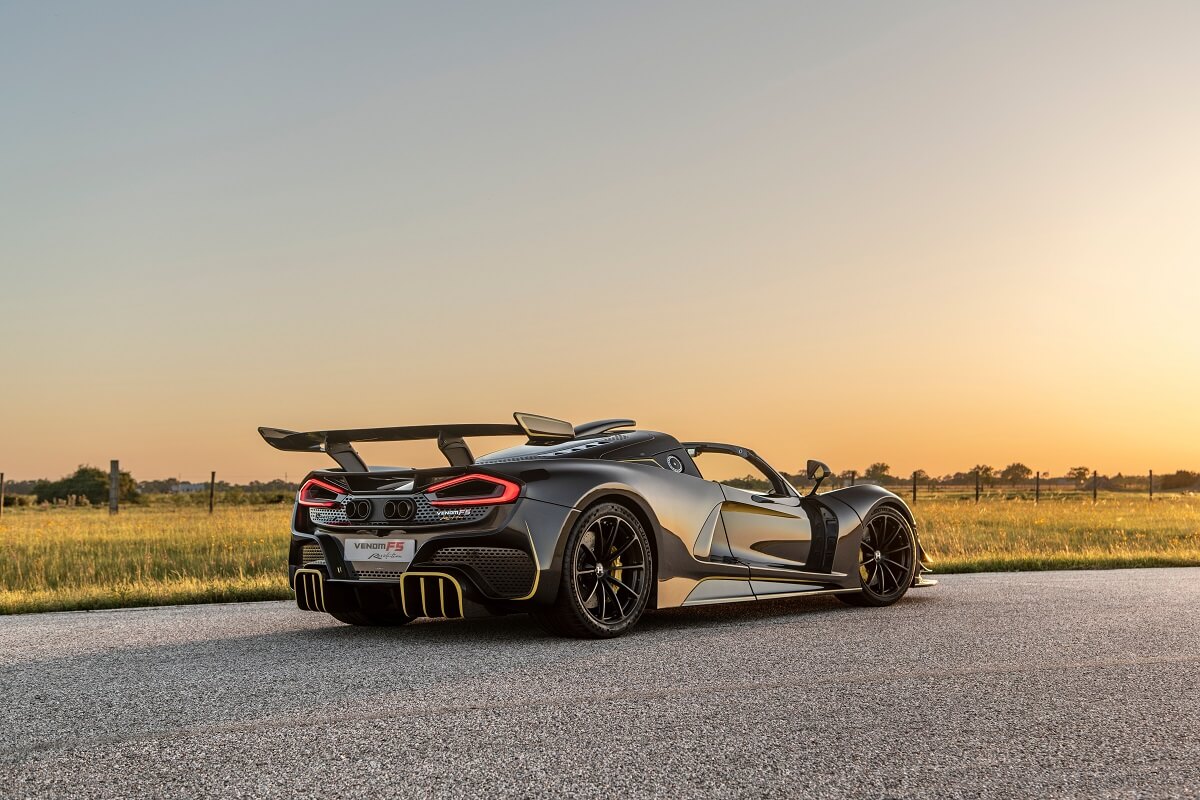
x,y
976,486
114,485
1093,486
914,486
1151,486
212,489
1,494
853,477
1037,488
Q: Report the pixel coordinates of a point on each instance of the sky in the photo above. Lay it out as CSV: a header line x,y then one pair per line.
x,y
935,234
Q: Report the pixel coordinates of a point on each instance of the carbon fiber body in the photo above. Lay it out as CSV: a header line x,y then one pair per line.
x,y
711,542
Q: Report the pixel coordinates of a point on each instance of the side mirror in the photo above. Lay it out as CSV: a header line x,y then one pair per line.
x,y
818,471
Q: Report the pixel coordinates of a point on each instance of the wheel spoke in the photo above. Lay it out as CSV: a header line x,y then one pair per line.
x,y
623,585
895,563
888,575
617,600
603,601
590,554
631,567
626,546
599,546
885,536
591,594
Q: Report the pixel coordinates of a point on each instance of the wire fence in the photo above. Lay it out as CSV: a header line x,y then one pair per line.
x,y
979,487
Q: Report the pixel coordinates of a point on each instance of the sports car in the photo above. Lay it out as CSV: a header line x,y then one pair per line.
x,y
585,527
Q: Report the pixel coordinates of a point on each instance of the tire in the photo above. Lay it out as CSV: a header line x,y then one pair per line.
x,y
372,619
887,559
607,575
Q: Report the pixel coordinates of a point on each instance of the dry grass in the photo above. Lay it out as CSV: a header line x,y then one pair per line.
x,y
1064,533
65,559
81,558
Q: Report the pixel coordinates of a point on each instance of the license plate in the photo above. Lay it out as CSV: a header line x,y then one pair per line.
x,y
380,551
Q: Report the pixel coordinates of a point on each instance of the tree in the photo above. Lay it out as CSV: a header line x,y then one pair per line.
x,y
983,473
1079,474
877,472
920,475
1015,473
88,482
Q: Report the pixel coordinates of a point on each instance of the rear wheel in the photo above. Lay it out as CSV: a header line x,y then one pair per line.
x,y
607,574
376,619
886,559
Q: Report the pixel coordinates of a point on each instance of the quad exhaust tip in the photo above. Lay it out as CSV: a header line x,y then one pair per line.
x,y
358,510
398,509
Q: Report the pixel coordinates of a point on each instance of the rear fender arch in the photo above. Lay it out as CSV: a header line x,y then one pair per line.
x,y
628,498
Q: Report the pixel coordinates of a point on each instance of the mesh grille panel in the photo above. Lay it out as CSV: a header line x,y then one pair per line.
x,y
424,513
310,553
505,572
378,574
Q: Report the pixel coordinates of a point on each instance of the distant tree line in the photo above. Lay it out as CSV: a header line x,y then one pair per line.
x,y
89,486
1013,475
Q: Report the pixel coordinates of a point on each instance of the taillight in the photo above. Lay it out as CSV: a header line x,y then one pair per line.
x,y
473,490
316,492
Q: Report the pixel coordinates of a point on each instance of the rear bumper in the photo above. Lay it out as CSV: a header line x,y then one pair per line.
x,y
456,571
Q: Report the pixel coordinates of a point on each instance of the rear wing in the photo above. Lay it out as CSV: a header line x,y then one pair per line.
x,y
338,443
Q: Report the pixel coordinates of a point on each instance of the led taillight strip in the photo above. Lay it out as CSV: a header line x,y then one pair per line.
x,y
509,491
318,503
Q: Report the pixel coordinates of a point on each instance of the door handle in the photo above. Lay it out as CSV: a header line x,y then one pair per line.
x,y
761,498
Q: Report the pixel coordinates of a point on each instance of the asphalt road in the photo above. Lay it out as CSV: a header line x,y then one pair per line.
x,y
1083,684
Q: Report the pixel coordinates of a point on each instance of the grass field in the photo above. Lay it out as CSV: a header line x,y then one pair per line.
x,y
58,559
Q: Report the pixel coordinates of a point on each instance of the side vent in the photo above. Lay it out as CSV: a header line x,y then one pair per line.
x,y
824,526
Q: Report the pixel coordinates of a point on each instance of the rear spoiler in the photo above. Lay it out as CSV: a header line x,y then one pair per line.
x,y
337,443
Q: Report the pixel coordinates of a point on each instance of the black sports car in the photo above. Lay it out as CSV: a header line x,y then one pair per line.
x,y
583,526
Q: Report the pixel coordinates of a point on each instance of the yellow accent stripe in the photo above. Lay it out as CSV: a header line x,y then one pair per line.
x,y
537,566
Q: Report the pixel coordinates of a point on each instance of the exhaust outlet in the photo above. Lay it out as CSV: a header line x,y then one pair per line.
x,y
398,509
358,510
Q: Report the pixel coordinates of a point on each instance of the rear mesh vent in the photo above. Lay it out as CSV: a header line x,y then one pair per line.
x,y
312,553
503,571
378,574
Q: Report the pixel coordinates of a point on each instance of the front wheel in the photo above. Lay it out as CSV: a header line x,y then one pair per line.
x,y
607,572
887,559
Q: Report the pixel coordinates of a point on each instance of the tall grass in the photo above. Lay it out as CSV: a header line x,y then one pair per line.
x,y
83,558
58,559
1065,533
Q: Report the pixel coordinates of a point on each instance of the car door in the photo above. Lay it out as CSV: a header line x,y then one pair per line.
x,y
764,530
765,520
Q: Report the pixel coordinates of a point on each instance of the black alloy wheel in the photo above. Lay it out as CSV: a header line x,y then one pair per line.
x,y
607,575
886,559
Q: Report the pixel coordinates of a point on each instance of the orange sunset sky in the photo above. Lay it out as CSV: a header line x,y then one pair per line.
x,y
929,233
